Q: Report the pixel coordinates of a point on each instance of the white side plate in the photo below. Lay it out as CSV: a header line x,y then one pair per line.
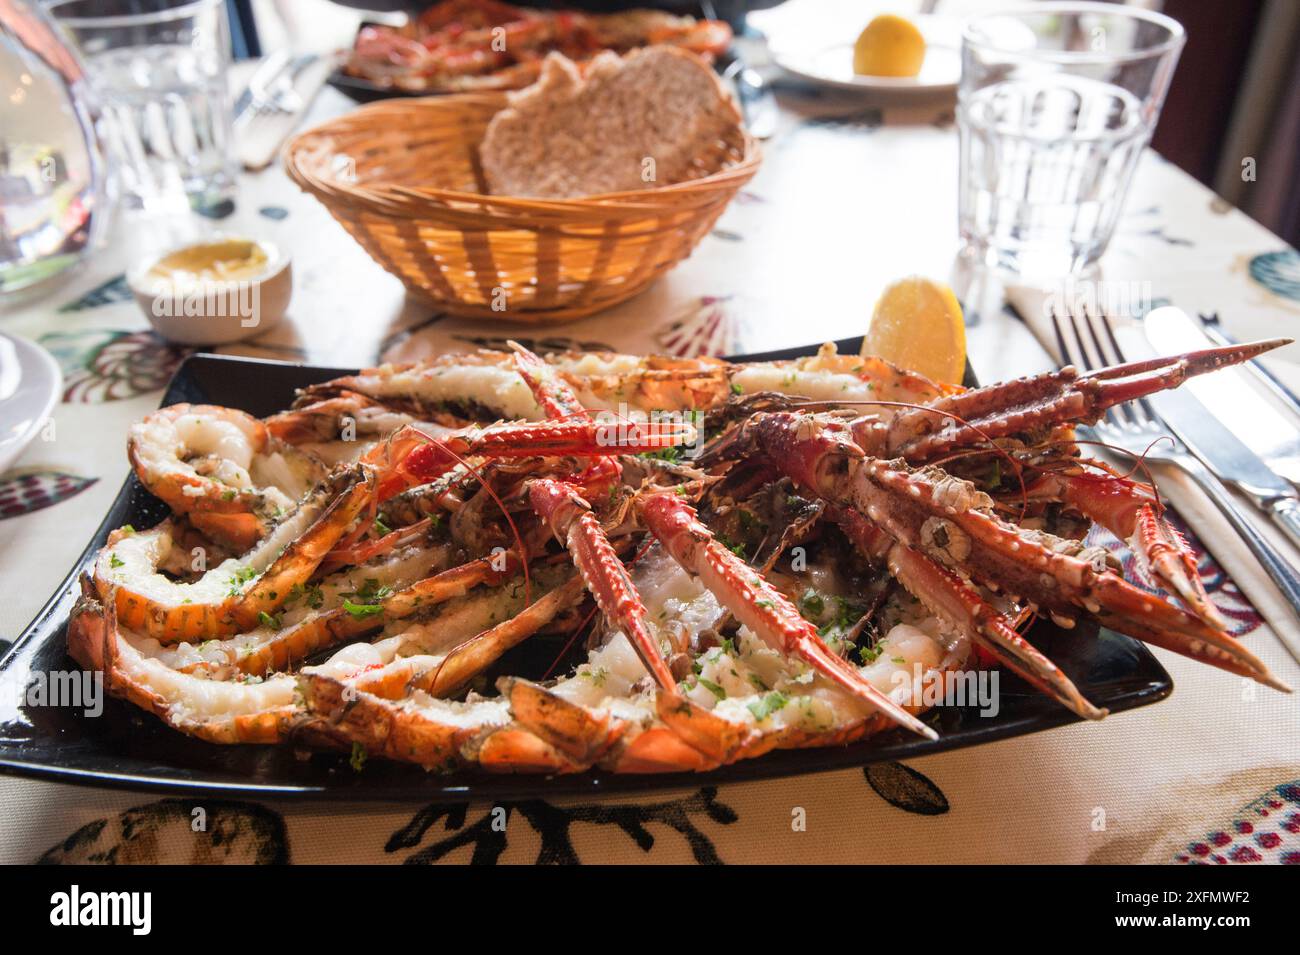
x,y
30,383
833,66
813,40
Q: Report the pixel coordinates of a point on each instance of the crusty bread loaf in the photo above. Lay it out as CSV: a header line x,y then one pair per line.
x,y
653,117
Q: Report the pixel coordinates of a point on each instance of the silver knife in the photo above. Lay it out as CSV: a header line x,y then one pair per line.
x,y
261,77
282,89
1253,419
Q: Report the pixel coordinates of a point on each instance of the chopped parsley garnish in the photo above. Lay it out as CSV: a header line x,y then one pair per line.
x,y
713,688
114,561
869,654
371,591
847,615
358,757
382,529
737,549
266,620
768,705
671,455
361,611
310,593
240,577
368,597
812,604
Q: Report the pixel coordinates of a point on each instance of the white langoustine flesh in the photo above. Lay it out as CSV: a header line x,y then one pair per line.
x,y
608,711
488,382
222,468
232,596
342,605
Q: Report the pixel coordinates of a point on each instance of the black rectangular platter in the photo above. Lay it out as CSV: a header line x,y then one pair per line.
x,y
127,748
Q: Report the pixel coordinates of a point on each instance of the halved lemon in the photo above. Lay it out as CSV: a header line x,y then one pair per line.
x,y
917,324
889,46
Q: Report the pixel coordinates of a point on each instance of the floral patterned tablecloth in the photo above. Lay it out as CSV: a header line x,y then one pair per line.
x,y
850,196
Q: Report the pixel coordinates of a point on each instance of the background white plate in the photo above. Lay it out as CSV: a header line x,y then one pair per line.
x,y
813,40
833,66
30,384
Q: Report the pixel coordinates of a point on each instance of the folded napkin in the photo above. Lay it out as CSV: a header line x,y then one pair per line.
x,y
258,138
1190,503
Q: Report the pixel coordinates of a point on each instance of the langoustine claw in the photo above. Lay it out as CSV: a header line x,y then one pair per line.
x,y
757,604
1134,514
1028,405
959,602
950,521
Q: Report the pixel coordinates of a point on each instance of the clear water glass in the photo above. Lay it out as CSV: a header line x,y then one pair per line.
x,y
1056,103
159,69
52,172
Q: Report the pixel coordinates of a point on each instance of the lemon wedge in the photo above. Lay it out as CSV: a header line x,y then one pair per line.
x,y
889,46
917,324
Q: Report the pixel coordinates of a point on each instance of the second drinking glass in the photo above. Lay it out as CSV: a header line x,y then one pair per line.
x,y
159,68
1056,103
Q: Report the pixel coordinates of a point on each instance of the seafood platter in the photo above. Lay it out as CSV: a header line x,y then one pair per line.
x,y
459,46
504,572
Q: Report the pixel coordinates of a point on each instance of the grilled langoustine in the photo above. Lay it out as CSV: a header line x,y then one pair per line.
x,y
762,555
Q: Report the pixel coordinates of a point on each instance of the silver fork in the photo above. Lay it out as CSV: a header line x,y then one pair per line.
x,y
1137,429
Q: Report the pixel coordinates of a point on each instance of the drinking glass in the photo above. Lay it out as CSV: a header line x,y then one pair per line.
x,y
159,68
52,172
1056,103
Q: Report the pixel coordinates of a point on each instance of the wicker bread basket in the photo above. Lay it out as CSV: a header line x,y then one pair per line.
x,y
403,177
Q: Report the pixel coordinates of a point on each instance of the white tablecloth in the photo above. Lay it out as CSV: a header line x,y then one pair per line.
x,y
850,196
